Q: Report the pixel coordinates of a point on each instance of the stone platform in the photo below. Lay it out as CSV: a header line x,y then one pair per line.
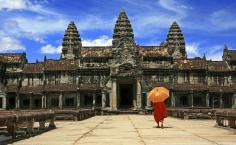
x,y
134,130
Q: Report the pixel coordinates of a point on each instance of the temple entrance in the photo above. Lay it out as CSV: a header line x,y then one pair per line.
x,y
126,94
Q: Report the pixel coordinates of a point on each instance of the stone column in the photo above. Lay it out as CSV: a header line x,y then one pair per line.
x,y
114,95
148,102
221,99
60,101
94,100
110,100
207,100
4,102
78,99
17,105
172,97
45,101
103,99
139,97
192,98
234,99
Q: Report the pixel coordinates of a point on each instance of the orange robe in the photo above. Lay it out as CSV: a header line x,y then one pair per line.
x,y
160,111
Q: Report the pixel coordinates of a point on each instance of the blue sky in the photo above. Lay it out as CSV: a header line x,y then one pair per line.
x,y
37,26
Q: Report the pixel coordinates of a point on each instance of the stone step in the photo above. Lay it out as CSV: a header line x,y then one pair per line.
x,y
128,111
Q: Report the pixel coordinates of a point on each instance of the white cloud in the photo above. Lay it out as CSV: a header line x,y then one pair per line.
x,y
13,4
192,49
222,20
10,44
41,25
16,31
94,23
49,49
27,5
101,41
216,56
175,6
212,52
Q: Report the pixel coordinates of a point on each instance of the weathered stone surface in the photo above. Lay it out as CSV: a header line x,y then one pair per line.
x,y
134,130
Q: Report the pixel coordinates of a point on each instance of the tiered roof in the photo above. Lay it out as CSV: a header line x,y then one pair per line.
x,y
59,65
154,51
103,51
218,66
190,64
33,68
123,29
13,57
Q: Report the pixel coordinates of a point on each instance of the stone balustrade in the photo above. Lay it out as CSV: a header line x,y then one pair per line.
x,y
74,114
226,118
19,120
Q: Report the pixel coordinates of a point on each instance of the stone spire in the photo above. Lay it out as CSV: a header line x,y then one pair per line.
x,y
71,45
175,42
123,29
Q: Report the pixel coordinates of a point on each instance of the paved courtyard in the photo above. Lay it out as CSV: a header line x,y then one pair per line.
x,y
134,130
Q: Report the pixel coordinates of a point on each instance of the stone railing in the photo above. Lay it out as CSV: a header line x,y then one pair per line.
x,y
226,118
189,113
15,121
74,114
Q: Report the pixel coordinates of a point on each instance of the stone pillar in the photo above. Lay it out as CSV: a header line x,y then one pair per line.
x,y
45,101
192,98
221,99
42,125
4,103
172,97
30,126
94,100
114,95
60,101
234,99
148,102
110,100
207,100
103,99
17,101
42,100
139,96
78,99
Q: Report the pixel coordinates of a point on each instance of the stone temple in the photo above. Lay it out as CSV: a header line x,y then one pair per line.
x,y
117,77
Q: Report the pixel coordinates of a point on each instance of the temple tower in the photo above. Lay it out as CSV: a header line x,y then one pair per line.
x,y
71,45
124,47
123,30
175,42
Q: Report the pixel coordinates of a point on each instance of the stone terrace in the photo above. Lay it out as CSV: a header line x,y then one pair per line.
x,y
134,129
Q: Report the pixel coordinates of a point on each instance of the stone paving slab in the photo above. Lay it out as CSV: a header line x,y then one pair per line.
x,y
134,130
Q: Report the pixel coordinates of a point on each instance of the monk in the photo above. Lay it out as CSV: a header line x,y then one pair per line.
x,y
160,112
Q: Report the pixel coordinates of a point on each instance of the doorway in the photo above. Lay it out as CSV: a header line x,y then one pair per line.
x,y
126,96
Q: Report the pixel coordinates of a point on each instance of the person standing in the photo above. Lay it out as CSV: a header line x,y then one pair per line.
x,y
160,112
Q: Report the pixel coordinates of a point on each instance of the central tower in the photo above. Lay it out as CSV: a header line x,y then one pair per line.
x,y
124,49
123,30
